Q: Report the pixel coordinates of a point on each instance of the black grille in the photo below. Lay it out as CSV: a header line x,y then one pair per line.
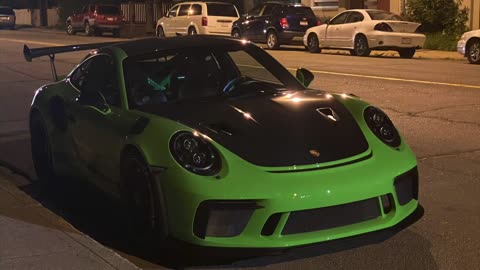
x,y
332,217
406,186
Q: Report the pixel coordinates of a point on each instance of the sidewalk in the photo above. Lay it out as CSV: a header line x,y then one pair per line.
x,y
33,237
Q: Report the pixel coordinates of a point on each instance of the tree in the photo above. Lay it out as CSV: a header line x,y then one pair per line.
x,y
438,15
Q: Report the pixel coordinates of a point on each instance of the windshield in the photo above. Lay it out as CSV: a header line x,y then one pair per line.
x,y
383,15
109,10
204,74
6,11
222,10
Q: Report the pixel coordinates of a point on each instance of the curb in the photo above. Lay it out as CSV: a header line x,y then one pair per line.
x,y
9,178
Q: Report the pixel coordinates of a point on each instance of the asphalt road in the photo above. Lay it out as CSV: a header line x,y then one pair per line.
x,y
435,104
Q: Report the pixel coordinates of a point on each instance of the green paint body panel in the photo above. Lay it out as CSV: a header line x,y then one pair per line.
x,y
96,140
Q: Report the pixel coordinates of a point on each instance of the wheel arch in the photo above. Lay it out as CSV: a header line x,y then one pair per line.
x,y
160,202
469,41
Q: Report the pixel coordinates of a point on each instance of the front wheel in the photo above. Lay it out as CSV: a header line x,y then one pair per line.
x,y
407,53
141,200
360,47
70,30
272,40
160,32
313,44
473,52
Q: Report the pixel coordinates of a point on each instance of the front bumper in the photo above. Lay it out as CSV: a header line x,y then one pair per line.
x,y
291,37
279,196
378,39
246,257
461,45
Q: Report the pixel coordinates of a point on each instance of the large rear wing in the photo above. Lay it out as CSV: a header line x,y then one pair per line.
x,y
29,54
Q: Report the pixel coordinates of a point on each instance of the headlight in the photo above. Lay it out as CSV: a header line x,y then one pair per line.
x,y
195,153
381,126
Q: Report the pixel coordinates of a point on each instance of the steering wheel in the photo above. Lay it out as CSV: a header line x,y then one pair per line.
x,y
233,83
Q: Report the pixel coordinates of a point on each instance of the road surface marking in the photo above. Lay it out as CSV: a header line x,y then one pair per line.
x,y
381,78
32,42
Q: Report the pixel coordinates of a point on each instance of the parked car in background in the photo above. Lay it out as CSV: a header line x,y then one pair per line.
x,y
276,23
7,17
95,19
469,46
362,30
205,18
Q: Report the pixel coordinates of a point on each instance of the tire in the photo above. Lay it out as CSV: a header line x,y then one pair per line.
x,y
312,43
140,197
88,29
160,32
360,47
272,40
70,30
116,33
473,52
236,33
42,154
407,53
192,31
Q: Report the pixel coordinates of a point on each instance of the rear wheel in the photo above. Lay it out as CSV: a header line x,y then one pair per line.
x,y
361,46
313,44
192,31
70,29
272,40
473,52
407,53
41,149
160,32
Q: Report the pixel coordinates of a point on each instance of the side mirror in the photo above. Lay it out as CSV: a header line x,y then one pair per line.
x,y
166,14
305,76
249,17
327,22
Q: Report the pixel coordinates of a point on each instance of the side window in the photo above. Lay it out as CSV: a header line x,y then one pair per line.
x,y
255,11
195,10
183,11
340,19
173,12
268,10
97,74
355,17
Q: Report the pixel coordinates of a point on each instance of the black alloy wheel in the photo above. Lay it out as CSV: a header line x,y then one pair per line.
x,y
160,32
88,29
473,52
312,43
272,40
361,46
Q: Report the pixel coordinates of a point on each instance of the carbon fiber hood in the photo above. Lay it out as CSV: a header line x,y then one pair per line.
x,y
282,129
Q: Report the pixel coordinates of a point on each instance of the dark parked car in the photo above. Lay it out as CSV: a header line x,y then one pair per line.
x,y
276,23
94,19
7,17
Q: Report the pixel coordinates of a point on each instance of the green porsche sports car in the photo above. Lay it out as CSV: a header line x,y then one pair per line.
x,y
211,142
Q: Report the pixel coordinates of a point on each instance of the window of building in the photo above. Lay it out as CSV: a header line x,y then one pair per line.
x,y
325,4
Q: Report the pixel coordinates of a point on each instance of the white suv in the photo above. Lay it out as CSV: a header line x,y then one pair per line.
x,y
206,18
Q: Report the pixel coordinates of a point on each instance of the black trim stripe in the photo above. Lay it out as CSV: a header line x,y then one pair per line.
x,y
326,167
